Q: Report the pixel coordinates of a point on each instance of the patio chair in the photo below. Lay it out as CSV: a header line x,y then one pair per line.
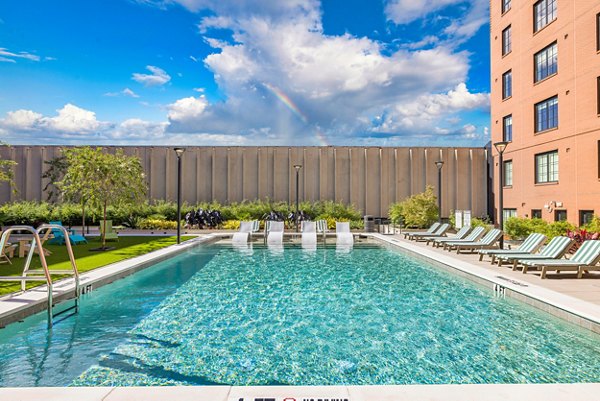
x,y
585,258
488,241
58,238
7,250
43,239
556,249
241,237
474,235
439,232
275,232
429,231
531,244
461,234
309,233
343,234
110,234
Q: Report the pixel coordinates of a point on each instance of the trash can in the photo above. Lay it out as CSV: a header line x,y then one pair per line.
x,y
369,224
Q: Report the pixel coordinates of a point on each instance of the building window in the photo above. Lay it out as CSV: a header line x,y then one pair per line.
x,y
544,12
598,32
505,6
546,62
507,84
508,173
546,114
598,95
546,167
507,128
508,213
506,41
599,160
536,213
560,215
585,216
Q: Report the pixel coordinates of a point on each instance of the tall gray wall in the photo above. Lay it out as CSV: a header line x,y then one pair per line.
x,y
369,177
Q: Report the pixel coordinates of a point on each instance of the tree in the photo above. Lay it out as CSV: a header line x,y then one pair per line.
x,y
99,179
57,167
6,170
419,210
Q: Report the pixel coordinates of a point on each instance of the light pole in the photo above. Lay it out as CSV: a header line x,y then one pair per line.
x,y
297,167
179,153
439,164
501,147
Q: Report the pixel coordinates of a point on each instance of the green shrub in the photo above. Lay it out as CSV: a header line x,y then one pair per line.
x,y
419,210
558,228
157,224
28,213
518,227
476,222
594,225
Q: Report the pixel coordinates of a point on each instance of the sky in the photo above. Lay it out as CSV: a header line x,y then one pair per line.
x,y
242,72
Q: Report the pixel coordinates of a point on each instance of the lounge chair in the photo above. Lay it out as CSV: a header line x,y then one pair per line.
x,y
309,233
429,231
275,232
461,234
241,237
488,241
7,250
439,232
343,234
556,249
531,244
59,236
474,235
110,234
43,239
585,258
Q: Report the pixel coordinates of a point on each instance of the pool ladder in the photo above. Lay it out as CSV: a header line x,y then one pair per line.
x,y
44,274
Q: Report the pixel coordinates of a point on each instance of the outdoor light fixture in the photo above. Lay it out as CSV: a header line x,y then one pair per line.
x,y
297,167
439,164
501,147
179,153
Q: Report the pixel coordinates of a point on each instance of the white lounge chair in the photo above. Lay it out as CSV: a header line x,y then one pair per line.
x,y
585,258
241,237
309,233
439,232
461,234
343,234
429,231
474,235
488,241
275,232
532,243
556,249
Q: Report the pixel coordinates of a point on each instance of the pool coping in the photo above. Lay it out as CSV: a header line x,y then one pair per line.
x,y
577,311
17,307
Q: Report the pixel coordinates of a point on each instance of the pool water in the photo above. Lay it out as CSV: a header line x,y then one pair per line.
x,y
370,315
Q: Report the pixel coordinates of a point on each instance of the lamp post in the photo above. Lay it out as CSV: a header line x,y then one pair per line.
x,y
179,153
501,147
439,164
297,167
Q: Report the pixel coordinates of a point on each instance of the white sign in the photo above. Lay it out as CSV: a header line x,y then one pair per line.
x,y
458,218
467,217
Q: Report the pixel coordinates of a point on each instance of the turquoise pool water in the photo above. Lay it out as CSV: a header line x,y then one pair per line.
x,y
219,315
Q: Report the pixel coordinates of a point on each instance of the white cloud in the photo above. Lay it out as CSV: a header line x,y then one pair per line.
x,y
22,120
187,108
70,119
406,11
157,78
8,56
125,92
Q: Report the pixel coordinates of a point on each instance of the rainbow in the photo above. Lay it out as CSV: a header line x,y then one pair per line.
x,y
285,99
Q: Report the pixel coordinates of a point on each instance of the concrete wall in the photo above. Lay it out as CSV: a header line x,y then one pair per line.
x,y
371,178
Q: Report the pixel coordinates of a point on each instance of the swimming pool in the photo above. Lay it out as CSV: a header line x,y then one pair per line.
x,y
370,315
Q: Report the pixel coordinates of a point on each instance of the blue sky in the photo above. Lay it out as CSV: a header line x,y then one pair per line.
x,y
241,72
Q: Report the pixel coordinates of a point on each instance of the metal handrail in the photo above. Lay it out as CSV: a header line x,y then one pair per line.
x,y
47,274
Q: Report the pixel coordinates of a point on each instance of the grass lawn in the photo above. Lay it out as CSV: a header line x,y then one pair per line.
x,y
126,247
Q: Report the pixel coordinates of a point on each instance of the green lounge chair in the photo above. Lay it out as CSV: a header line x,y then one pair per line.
x,y
556,249
440,232
585,258
532,243
110,235
488,241
461,234
474,235
429,231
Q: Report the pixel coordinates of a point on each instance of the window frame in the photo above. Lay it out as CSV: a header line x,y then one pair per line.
x,y
506,40
504,130
538,130
535,214
558,212
507,74
598,32
505,5
547,173
505,174
598,95
537,28
582,214
545,67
